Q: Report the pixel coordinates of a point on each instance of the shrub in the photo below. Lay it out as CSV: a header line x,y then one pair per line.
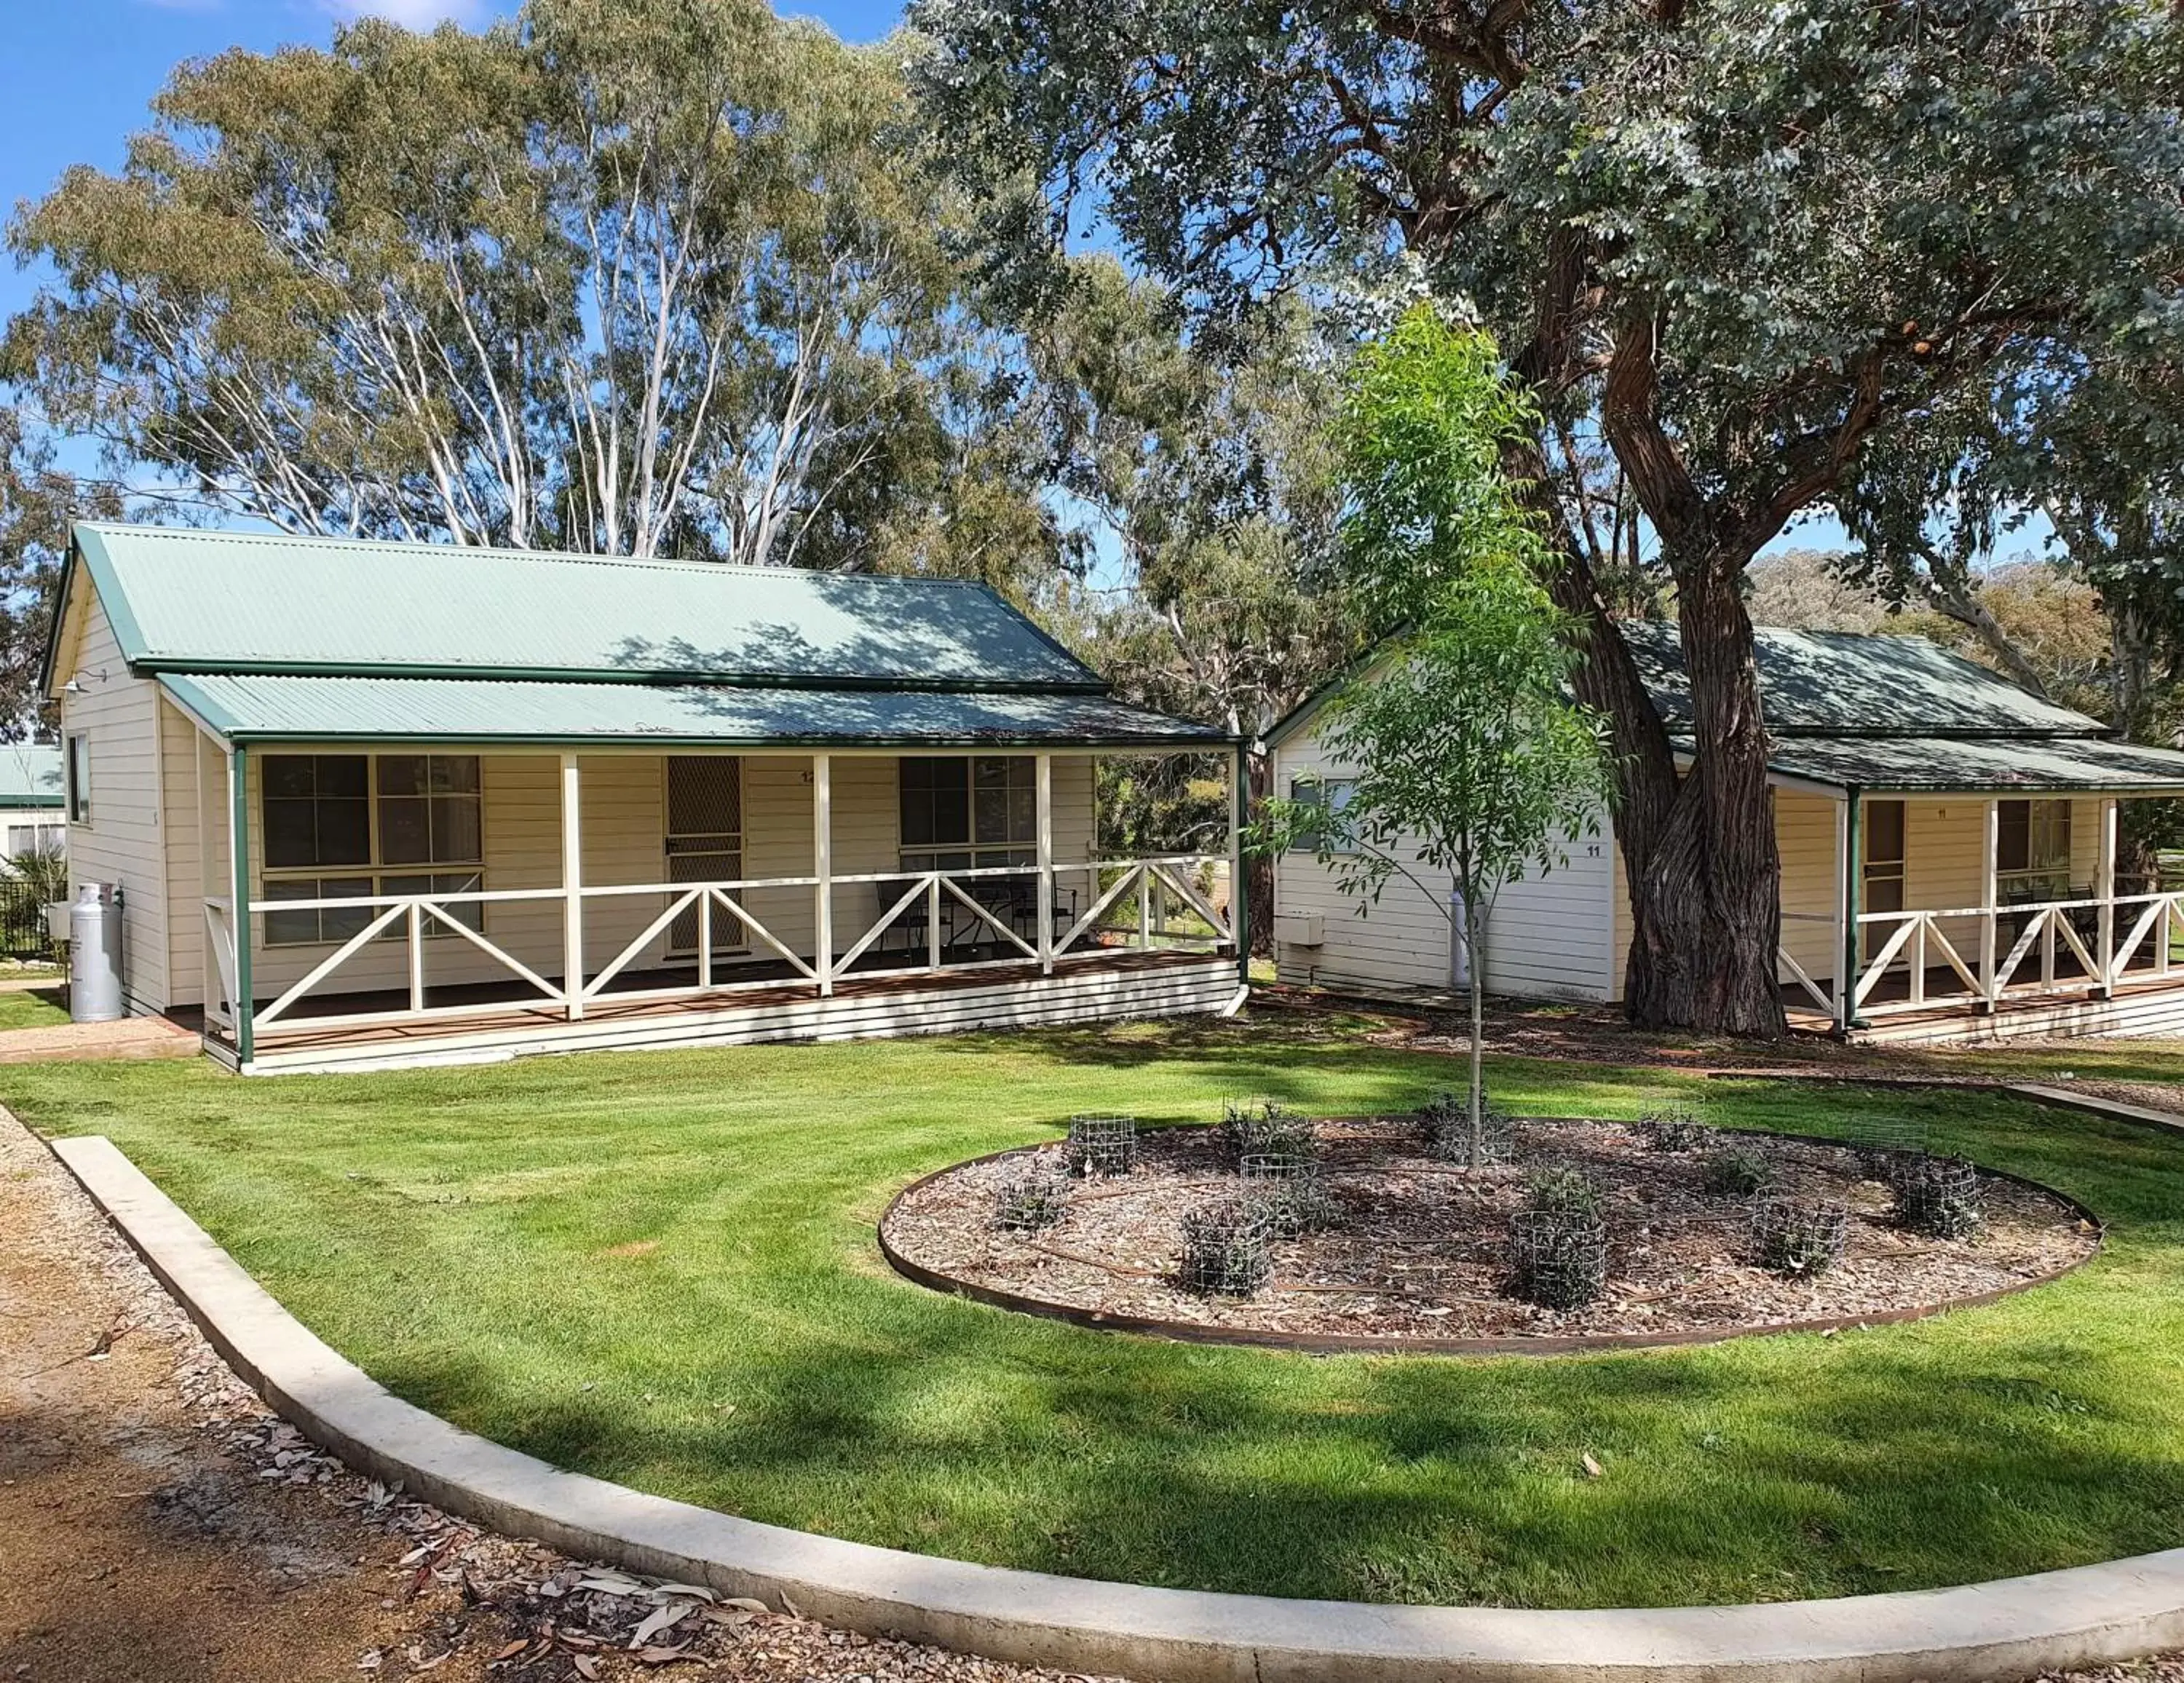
x,y
1798,1236
1102,1144
1564,1190
1736,1172
1938,1196
1254,1126
1445,1120
1225,1247
1674,1127
1557,1242
1029,1201
1557,1258
1294,1193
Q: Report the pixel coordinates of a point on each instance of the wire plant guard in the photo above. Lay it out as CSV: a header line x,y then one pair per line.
x,y
1291,1188
1558,1242
1799,1237
1938,1196
1031,1200
1255,1126
1445,1120
1226,1248
1102,1144
1884,1143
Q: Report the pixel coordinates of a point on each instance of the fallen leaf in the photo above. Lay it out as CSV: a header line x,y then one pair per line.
x,y
747,1604
696,1591
1593,1469
510,1651
661,1618
587,1667
611,1587
661,1656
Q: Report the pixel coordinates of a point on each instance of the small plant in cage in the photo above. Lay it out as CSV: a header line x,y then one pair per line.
x,y
1557,1259
1798,1236
1446,1121
1938,1196
1674,1126
1558,1242
1026,1202
1294,1194
1102,1144
1563,1190
1736,1172
1264,1125
1225,1247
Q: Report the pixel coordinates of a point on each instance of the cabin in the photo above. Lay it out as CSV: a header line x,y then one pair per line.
x,y
1948,848
31,821
372,804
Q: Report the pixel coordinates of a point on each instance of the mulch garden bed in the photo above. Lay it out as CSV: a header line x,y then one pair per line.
x,y
1419,1249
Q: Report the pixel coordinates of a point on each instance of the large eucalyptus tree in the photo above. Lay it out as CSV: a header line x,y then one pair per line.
x,y
1732,247
632,275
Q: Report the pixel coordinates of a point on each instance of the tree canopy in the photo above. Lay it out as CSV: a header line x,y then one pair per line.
x,y
629,275
1734,250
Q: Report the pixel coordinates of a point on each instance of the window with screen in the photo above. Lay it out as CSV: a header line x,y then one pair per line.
x,y
76,776
969,813
353,826
2032,850
1883,868
1330,794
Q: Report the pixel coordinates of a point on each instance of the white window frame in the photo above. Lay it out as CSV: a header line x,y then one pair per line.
x,y
75,765
983,856
378,871
1331,794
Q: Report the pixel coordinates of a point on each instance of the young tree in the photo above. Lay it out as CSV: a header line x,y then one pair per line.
x,y
1736,247
1473,764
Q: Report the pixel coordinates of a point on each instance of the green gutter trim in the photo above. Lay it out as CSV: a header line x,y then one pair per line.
x,y
662,678
647,739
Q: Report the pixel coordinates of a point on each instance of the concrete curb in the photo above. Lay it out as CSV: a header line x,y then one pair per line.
x,y
2087,1616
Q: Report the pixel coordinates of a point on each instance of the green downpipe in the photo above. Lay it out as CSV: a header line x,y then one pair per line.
x,y
239,818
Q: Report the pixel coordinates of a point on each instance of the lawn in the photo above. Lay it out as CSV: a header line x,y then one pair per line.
x,y
661,1269
31,1008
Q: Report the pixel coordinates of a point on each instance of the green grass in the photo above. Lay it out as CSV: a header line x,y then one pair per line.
x,y
660,1268
31,1008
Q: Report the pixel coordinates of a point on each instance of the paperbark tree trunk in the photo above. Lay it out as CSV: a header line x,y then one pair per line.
x,y
1258,886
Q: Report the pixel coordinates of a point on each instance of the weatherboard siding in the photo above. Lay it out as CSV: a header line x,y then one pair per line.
x,y
1549,936
121,843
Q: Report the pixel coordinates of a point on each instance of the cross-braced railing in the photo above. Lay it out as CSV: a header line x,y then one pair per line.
x,y
945,921
2021,952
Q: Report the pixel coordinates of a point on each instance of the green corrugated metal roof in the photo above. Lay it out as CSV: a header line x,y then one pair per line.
x,y
1848,683
1960,765
29,775
223,601
260,707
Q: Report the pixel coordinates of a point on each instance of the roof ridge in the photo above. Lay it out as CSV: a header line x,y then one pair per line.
x,y
414,546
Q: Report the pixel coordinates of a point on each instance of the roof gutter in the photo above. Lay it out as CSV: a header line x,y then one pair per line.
x,y
155,666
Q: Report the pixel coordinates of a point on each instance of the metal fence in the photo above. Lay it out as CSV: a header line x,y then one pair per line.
x,y
23,919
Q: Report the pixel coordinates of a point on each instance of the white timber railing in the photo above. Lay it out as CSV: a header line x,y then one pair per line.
x,y
947,920
2114,942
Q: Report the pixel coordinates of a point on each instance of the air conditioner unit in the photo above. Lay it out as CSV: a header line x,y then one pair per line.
x,y
1299,928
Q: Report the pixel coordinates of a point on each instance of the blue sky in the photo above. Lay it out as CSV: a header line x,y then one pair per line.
x,y
77,78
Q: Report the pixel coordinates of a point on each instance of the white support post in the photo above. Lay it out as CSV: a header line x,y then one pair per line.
x,y
822,861
416,932
2104,891
932,923
1045,834
1990,854
1846,972
572,887
1237,887
211,960
1145,910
